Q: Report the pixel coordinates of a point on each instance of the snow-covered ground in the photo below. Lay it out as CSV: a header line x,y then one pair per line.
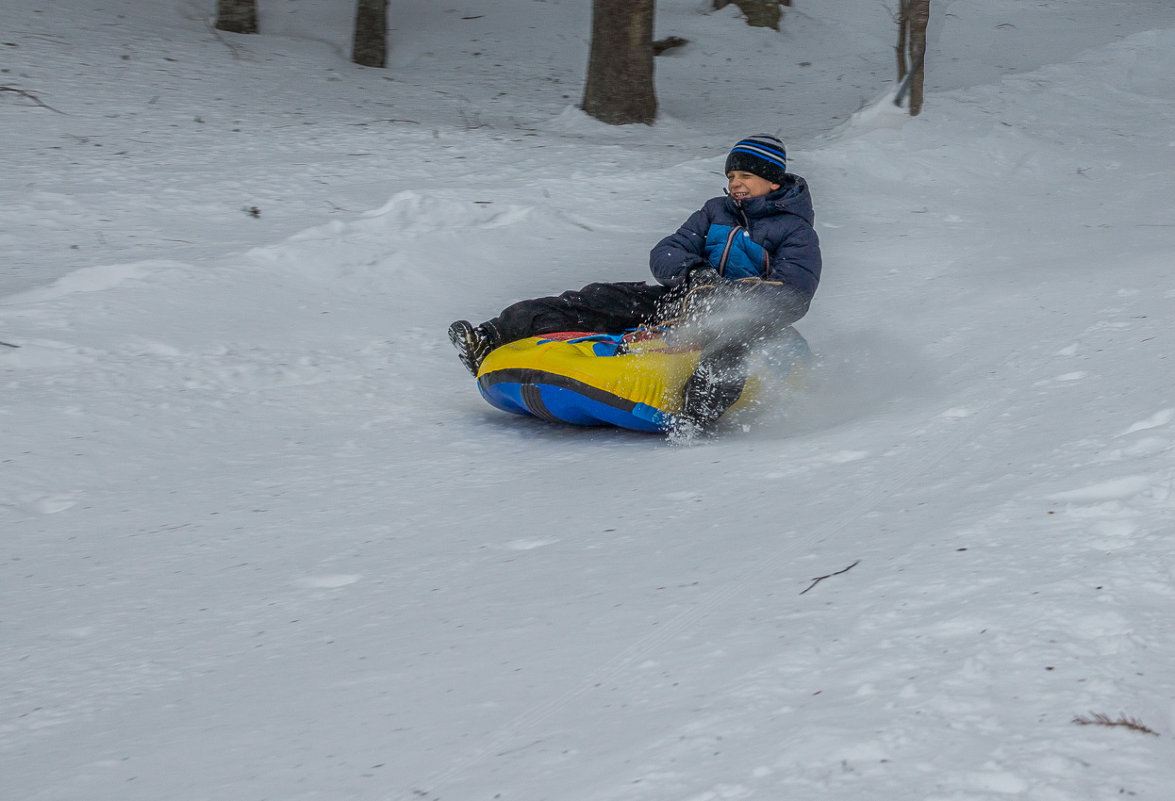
x,y
262,539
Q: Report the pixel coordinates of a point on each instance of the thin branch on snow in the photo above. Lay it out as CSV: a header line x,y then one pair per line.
x,y
31,97
1098,719
819,579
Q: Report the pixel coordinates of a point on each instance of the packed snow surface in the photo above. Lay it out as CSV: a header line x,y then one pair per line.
x,y
261,539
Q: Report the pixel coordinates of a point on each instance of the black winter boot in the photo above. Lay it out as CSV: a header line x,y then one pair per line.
x,y
712,389
473,344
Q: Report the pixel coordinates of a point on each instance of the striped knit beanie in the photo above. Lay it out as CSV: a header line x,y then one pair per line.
x,y
762,155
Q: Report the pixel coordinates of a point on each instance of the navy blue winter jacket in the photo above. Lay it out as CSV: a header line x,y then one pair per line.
x,y
769,237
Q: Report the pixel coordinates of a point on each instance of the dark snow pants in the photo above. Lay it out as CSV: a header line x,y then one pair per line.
x,y
739,312
609,308
597,308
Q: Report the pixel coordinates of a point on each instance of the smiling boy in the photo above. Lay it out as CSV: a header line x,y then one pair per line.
x,y
761,229
753,250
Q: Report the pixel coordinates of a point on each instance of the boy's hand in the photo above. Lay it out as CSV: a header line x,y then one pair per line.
x,y
704,288
702,276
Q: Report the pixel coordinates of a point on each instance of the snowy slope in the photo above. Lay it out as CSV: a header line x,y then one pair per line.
x,y
263,540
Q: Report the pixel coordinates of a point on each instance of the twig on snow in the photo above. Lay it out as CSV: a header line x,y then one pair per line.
x,y
819,579
31,97
1098,719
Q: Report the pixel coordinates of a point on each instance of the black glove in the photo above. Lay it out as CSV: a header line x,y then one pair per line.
x,y
703,289
702,276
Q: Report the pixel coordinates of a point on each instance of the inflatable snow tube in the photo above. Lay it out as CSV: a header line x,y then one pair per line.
x,y
632,381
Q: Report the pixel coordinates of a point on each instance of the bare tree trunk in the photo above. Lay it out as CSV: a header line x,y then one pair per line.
x,y
759,13
370,46
236,16
919,19
620,88
913,17
903,21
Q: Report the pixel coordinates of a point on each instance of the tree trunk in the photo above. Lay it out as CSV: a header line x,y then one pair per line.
x,y
620,88
919,19
370,46
236,16
903,35
759,13
913,17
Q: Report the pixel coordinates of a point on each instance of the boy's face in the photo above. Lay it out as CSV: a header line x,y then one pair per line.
x,y
743,185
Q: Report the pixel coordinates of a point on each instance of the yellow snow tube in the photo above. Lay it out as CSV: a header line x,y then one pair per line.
x,y
633,381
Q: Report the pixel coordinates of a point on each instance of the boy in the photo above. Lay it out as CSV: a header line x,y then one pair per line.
x,y
744,267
